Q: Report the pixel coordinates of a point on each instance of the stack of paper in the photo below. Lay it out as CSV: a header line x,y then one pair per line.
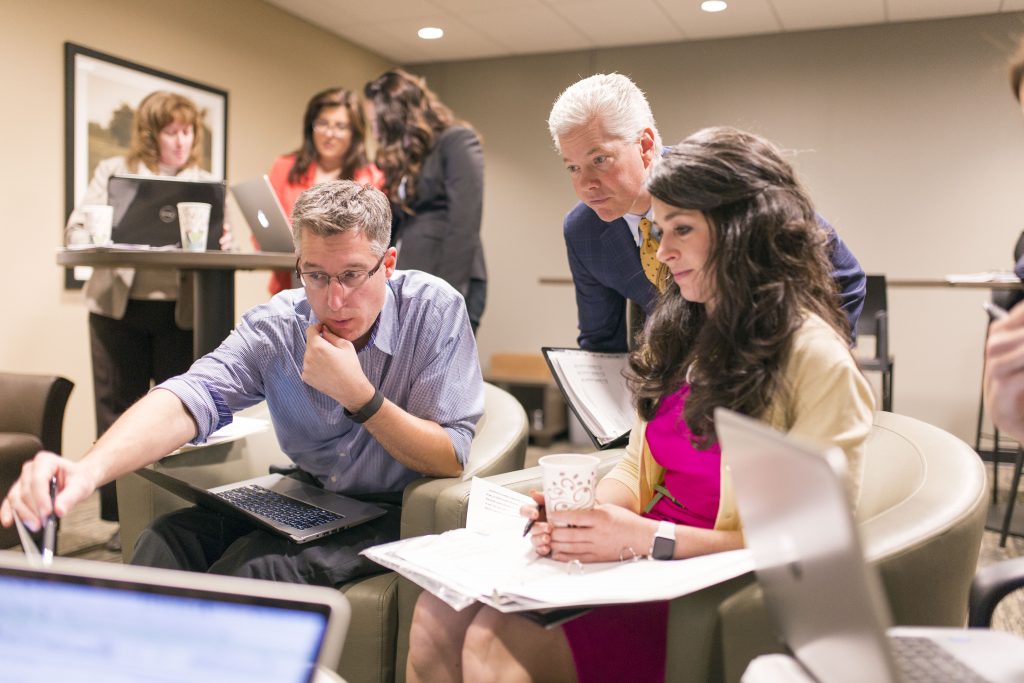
x,y
987,276
491,562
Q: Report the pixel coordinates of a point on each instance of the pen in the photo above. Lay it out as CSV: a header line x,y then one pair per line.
x,y
529,525
996,312
50,526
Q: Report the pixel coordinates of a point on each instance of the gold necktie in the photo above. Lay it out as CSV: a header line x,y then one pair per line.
x,y
648,249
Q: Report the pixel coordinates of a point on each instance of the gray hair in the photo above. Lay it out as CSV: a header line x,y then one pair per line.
x,y
612,98
338,206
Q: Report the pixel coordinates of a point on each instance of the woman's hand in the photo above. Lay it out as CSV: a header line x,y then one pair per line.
x,y
606,533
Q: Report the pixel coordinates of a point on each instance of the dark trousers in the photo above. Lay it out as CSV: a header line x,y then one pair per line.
x,y
146,345
199,540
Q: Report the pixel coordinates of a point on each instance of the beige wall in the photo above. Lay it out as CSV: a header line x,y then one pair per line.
x,y
268,61
907,136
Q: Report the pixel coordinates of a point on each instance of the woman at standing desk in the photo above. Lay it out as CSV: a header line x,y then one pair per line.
x,y
140,329
333,135
749,319
434,176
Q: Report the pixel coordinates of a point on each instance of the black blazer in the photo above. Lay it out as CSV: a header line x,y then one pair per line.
x,y
443,236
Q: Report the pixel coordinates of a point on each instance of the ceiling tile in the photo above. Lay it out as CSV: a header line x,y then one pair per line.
x,y
529,29
741,18
614,22
911,10
802,15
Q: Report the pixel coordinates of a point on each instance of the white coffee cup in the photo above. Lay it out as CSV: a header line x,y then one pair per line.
x,y
194,220
98,220
570,481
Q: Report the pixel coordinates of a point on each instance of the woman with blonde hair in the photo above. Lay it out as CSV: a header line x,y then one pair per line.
x,y
140,321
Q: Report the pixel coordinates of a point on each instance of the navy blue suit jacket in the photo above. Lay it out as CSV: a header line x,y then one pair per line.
x,y
606,271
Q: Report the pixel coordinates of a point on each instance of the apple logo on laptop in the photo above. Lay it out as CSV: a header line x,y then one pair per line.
x,y
262,218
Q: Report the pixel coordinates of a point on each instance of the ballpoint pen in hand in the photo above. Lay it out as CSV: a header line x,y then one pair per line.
x,y
50,526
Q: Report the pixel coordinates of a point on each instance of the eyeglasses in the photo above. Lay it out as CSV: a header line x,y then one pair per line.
x,y
350,280
326,127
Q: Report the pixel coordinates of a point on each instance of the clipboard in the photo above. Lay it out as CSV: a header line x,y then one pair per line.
x,y
595,391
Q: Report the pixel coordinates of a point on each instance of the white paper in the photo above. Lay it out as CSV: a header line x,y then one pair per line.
x,y
987,276
239,428
498,566
595,385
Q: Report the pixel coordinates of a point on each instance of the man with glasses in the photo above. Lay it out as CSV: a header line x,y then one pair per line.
x,y
604,129
371,378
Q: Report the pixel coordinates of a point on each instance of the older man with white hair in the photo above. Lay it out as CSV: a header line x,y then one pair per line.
x,y
605,131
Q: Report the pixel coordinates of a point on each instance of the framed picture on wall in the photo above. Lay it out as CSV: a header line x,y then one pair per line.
x,y
101,93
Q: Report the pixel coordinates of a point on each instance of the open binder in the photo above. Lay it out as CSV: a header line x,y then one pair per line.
x,y
594,386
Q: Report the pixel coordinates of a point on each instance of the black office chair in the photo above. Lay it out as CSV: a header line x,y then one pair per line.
x,y
874,322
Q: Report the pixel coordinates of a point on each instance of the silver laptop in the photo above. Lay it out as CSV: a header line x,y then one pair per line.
x,y
282,505
97,621
827,602
146,208
263,212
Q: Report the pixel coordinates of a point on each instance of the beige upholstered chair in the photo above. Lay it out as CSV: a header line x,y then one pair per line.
x,y
31,419
921,515
369,653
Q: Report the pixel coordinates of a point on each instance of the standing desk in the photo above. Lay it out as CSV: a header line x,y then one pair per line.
x,y
214,271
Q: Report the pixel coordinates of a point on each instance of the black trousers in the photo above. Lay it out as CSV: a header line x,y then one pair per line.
x,y
200,540
127,355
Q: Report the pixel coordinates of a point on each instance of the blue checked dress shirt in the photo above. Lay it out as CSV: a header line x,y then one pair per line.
x,y
421,355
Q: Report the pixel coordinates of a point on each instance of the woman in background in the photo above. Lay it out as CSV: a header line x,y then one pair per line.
x,y
333,137
749,319
140,321
434,175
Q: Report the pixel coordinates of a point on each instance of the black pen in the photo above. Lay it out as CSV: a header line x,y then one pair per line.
x,y
529,525
50,526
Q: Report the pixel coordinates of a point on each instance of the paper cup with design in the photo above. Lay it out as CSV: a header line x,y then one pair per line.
x,y
194,219
98,220
570,481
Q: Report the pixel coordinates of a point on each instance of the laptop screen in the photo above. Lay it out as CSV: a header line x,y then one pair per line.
x,y
57,627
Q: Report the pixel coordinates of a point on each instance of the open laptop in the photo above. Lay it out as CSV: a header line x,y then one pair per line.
x,y
96,621
282,505
146,208
828,603
263,211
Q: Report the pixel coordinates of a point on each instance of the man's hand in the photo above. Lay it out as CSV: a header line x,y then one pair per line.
x,y
332,367
1004,373
29,496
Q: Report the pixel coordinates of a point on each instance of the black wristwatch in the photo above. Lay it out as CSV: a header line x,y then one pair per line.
x,y
664,546
368,410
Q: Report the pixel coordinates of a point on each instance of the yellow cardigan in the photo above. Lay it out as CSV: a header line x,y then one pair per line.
x,y
826,400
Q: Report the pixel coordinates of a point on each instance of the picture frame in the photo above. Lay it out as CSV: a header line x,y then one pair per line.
x,y
101,92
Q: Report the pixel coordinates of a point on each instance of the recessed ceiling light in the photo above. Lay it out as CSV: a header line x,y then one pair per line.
x,y
432,33
713,5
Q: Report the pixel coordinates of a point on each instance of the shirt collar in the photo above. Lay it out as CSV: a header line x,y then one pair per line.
x,y
633,223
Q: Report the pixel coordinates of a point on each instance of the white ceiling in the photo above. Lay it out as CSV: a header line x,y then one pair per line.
x,y
500,28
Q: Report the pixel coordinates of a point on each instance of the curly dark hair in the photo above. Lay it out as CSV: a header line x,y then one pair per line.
x,y
355,157
409,117
768,267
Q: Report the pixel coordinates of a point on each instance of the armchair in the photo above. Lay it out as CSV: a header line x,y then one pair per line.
x,y
920,515
31,419
377,620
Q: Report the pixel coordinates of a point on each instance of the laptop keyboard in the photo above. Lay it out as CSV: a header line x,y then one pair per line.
x,y
294,513
924,660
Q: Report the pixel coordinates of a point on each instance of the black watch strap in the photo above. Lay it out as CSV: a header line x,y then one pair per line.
x,y
368,410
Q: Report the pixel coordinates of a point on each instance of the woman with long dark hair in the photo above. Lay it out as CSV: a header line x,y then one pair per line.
x,y
749,319
434,175
333,148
